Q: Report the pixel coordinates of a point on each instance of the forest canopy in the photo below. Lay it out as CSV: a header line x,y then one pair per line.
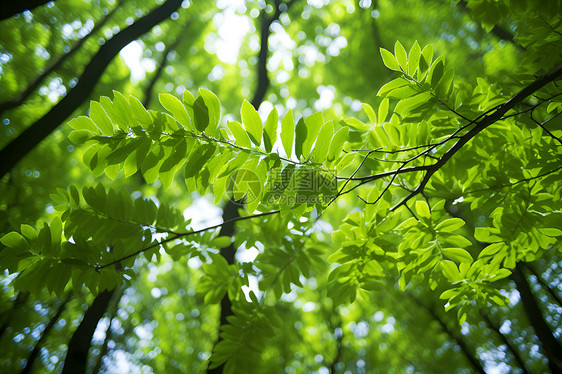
x,y
280,186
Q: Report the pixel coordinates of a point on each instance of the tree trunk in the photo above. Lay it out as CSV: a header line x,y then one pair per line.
x,y
514,351
550,345
35,352
77,356
34,134
9,8
53,65
18,302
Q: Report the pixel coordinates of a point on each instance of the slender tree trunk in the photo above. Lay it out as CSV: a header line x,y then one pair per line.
x,y
148,92
550,345
108,335
53,65
21,298
231,209
77,356
33,135
505,340
544,284
466,350
35,352
9,8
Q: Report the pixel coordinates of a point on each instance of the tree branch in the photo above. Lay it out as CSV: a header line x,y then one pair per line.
x,y
542,282
514,351
550,345
158,73
53,65
11,8
183,235
481,125
37,348
475,362
79,345
34,134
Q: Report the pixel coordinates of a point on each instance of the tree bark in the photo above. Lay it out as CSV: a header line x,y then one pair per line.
x,y
53,65
21,298
158,73
231,209
77,356
474,361
543,283
108,335
35,352
514,351
9,8
38,131
550,345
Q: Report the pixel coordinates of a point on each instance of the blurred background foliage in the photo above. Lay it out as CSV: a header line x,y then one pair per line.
x,y
321,56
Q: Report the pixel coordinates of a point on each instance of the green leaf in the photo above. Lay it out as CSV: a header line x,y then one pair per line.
x,y
450,271
300,136
270,130
425,61
14,240
175,106
389,60
313,125
370,112
414,58
240,134
407,105
401,56
383,110
28,231
139,113
201,114
336,146
98,115
199,157
436,72
80,136
457,254
84,123
252,122
214,110
323,141
423,209
450,225
288,132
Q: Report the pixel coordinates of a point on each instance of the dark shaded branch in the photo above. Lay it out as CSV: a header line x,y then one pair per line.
x,y
482,124
21,298
38,131
498,30
543,283
108,335
475,362
504,339
37,348
79,345
158,73
338,332
230,212
263,77
375,28
183,235
550,345
53,65
9,8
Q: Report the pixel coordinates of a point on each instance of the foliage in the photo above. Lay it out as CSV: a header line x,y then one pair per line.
x,y
441,188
